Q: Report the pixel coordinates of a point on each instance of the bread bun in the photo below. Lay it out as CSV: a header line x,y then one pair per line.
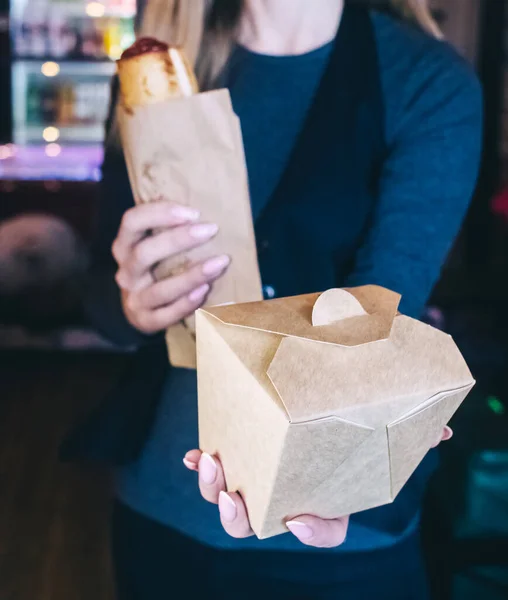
x,y
150,71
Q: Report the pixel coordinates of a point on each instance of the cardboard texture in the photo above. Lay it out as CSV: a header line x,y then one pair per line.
x,y
189,150
322,404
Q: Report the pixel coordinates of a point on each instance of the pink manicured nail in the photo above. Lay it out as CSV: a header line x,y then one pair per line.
x,y
227,507
204,231
185,213
207,469
302,531
216,265
190,465
447,433
199,293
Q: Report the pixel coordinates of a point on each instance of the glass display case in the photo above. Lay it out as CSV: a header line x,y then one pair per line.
x,y
56,64
62,61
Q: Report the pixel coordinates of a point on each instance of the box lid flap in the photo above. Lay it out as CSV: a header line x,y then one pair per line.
x,y
346,317
417,362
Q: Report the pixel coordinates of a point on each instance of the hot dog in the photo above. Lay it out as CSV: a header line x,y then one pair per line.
x,y
151,71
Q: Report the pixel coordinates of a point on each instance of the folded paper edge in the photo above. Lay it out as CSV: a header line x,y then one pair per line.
x,y
299,337
426,404
212,317
196,98
360,294
430,401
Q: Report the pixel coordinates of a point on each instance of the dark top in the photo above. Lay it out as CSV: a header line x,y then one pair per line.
x,y
432,136
271,95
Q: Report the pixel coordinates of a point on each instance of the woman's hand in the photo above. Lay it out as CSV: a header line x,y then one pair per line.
x,y
310,530
149,305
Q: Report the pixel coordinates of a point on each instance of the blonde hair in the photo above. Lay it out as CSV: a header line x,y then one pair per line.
x,y
206,28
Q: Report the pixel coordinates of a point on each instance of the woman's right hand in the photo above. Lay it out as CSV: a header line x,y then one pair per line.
x,y
150,305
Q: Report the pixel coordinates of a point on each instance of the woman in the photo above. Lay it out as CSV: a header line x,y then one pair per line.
x,y
362,138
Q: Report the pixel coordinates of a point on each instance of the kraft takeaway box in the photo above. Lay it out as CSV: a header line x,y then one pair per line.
x,y
322,404
186,147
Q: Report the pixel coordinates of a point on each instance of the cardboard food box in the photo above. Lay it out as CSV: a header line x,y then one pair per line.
x,y
186,147
322,404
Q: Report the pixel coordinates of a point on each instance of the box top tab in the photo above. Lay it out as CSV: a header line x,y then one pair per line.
x,y
345,317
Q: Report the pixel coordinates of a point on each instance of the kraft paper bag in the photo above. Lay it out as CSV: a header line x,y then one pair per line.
x,y
322,404
189,150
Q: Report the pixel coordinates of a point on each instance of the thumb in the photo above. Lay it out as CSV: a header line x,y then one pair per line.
x,y
446,434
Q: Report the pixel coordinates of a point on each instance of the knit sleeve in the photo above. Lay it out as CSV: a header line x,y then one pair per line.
x,y
102,302
434,146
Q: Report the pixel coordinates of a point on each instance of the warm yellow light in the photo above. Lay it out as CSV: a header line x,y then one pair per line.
x,y
50,69
53,150
115,52
51,134
95,9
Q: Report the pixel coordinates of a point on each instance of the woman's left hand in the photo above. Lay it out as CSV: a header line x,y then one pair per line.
x,y
310,530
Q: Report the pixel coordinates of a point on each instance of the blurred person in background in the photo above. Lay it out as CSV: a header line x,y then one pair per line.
x,y
362,132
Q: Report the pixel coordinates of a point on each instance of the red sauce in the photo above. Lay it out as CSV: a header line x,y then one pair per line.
x,y
144,46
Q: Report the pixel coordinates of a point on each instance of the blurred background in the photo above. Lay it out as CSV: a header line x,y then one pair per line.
x,y
56,62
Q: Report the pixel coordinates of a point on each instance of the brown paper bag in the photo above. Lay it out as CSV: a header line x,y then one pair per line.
x,y
322,404
189,150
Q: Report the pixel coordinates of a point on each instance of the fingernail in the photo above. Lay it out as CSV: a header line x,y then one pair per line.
x,y
207,469
227,507
199,293
300,530
448,433
204,231
185,212
216,265
190,465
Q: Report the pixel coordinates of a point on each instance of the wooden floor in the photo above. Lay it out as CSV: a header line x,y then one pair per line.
x,y
53,517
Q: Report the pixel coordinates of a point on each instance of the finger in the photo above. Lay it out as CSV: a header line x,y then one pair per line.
x,y
446,434
191,459
143,282
233,515
146,254
211,478
319,533
152,321
145,217
168,290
